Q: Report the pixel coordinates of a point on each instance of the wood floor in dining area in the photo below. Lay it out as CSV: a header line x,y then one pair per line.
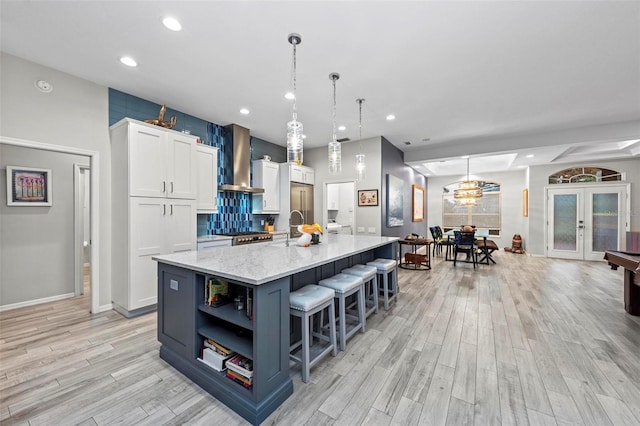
x,y
526,341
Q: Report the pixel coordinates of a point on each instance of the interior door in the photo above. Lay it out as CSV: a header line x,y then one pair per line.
x,y
585,222
605,221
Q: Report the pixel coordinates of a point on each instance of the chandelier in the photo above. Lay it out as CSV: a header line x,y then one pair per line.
x,y
294,127
360,161
468,191
335,149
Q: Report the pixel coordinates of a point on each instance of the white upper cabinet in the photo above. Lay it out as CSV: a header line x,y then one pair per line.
x,y
162,163
265,175
207,165
301,174
333,197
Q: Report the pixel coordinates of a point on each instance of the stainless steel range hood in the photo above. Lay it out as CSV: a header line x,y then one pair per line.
x,y
241,161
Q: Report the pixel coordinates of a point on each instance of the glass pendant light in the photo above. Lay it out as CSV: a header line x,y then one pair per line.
x,y
294,127
468,191
360,160
335,149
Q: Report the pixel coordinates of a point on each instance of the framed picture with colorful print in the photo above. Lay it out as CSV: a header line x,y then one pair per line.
x,y
28,186
367,197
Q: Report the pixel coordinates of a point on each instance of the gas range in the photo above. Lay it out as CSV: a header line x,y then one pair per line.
x,y
249,237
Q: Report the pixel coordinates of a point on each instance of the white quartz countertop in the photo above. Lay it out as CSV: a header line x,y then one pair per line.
x,y
263,262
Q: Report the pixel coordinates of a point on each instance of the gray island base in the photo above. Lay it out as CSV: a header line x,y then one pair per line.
x,y
264,274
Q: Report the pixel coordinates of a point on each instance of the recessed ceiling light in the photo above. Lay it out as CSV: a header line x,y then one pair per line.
x,y
289,95
391,117
244,111
172,24
465,157
342,128
530,156
44,86
128,61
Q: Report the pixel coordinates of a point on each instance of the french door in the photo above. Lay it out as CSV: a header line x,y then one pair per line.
x,y
583,222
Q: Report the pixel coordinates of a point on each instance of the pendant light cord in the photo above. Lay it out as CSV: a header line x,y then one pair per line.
x,y
295,95
334,78
360,101
467,169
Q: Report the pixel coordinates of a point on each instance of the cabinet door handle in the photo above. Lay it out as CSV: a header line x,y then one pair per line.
x,y
164,186
171,209
264,203
172,187
164,210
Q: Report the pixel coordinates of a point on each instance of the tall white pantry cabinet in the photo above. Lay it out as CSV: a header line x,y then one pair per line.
x,y
154,191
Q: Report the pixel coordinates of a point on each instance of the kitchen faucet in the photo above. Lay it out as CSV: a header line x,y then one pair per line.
x,y
289,230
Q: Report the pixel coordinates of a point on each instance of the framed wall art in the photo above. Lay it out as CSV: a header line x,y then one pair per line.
x,y
28,186
367,197
418,203
395,201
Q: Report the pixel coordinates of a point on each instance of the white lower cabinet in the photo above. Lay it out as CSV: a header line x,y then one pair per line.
x,y
156,226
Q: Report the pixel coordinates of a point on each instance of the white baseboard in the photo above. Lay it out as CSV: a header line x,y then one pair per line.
x,y
36,301
104,308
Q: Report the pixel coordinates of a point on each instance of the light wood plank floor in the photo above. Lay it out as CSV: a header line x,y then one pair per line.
x,y
527,341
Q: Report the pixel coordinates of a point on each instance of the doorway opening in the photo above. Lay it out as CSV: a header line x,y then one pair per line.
x,y
585,221
82,228
94,165
339,211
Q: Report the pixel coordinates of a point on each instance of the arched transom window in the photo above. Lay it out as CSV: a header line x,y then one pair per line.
x,y
585,174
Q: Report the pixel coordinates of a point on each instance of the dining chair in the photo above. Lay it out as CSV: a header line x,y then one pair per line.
x,y
436,240
465,242
440,241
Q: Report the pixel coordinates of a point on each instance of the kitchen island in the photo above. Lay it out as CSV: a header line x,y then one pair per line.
x,y
263,273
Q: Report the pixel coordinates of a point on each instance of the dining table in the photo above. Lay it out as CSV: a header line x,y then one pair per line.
x,y
479,233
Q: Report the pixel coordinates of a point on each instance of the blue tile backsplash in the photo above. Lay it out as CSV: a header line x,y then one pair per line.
x,y
234,209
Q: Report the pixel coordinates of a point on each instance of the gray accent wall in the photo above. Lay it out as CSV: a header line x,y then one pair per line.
x,y
74,114
393,163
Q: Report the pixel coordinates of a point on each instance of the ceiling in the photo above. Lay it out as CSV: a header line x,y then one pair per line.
x,y
559,80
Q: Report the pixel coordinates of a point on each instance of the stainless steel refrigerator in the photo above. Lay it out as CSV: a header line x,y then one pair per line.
x,y
301,200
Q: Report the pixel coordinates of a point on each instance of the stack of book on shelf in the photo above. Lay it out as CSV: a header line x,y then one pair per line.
x,y
240,370
216,292
215,355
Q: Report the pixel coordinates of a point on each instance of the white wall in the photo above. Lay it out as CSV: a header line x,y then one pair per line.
x,y
511,186
539,180
366,217
75,115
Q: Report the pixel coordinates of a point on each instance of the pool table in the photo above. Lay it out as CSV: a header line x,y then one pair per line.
x,y
631,264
